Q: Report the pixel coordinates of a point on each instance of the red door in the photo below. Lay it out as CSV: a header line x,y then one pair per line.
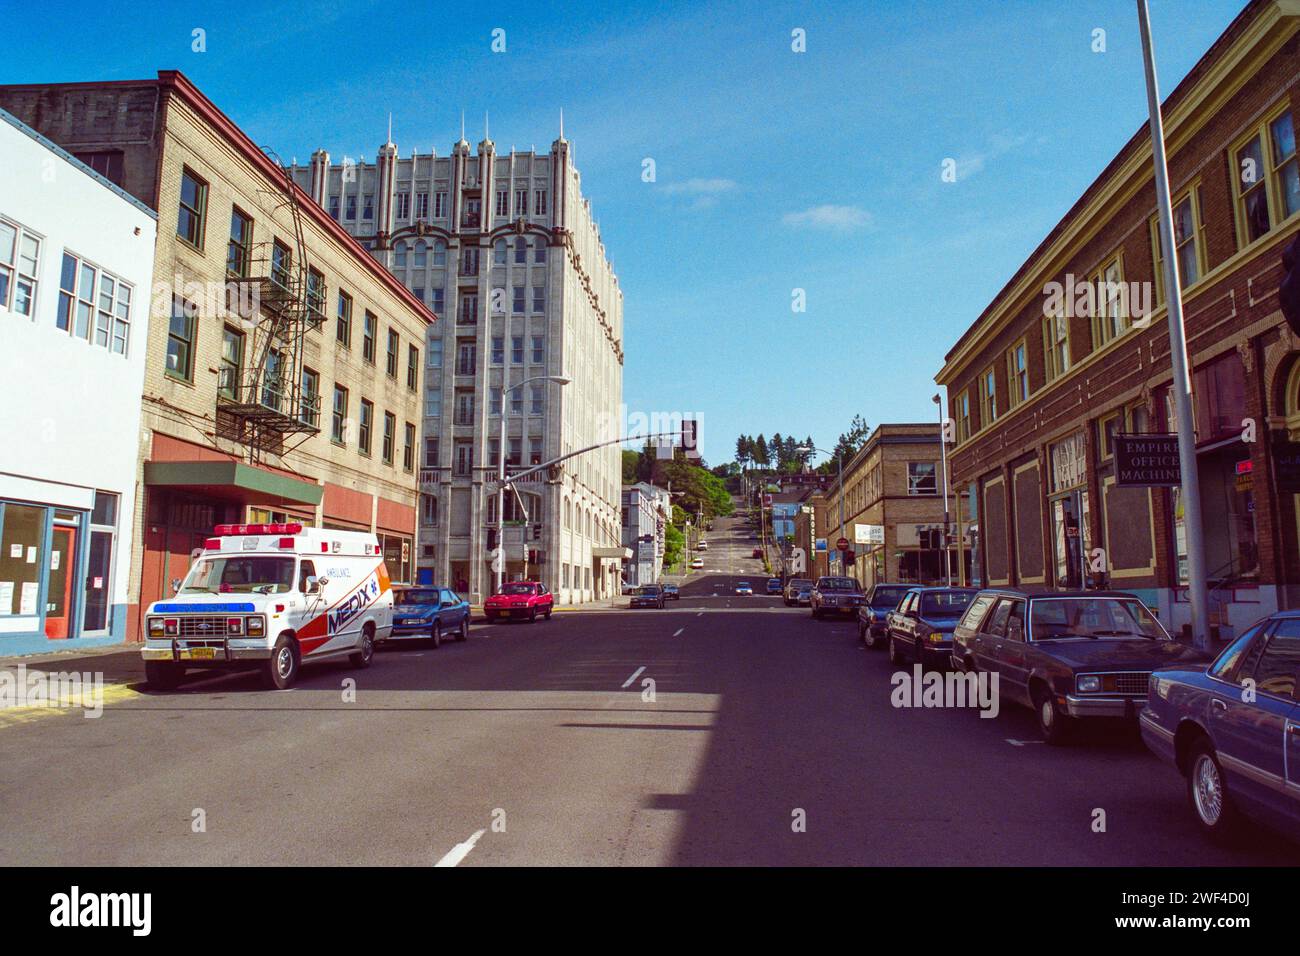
x,y
58,611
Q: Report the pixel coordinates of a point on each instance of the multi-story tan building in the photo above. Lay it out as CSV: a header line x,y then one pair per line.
x,y
893,511
284,364
506,247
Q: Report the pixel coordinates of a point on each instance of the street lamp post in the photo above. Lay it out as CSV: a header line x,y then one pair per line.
x,y
943,455
501,471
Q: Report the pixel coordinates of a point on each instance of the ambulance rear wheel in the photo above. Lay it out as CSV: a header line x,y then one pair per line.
x,y
362,658
163,675
281,670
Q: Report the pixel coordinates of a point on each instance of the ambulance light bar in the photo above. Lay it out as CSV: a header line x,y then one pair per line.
x,y
237,529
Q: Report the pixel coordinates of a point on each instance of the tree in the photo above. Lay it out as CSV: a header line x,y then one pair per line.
x,y
776,449
631,465
760,452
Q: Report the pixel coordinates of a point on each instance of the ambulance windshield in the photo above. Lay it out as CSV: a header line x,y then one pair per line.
x,y
242,575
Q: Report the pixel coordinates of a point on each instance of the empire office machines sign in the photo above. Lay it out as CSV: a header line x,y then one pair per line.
x,y
868,534
1147,461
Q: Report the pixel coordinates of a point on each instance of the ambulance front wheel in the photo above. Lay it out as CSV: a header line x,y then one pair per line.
x,y
363,657
281,670
163,675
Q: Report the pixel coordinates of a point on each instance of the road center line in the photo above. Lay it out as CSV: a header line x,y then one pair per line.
x,y
628,683
460,850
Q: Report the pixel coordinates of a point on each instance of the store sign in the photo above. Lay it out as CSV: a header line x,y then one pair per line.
x,y
1069,462
1147,461
868,534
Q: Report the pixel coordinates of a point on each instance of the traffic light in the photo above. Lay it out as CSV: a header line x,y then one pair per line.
x,y
1288,293
537,532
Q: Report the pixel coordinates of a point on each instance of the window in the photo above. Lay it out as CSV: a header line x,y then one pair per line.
x,y
1286,169
988,398
521,202
421,205
1267,177
309,400
408,447
503,202
539,202
539,251
963,416
107,162
515,455
521,251
365,425
94,305
498,350
193,209
239,253
437,301
517,350
536,408
493,460
534,451
499,252
539,299
339,424
232,356
1056,346
413,367
433,403
334,207
494,400
433,355
1276,671
180,340
468,314
464,413
1189,240
517,301
403,205
421,255
280,261
369,332
399,256
921,478
439,252
1017,375
430,503
316,295
431,453
469,261
466,357
440,205
390,437
1110,317
19,257
344,329
273,380
539,350
516,402
390,358
352,207
464,461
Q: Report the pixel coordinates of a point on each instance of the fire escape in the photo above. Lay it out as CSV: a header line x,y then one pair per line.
x,y
261,401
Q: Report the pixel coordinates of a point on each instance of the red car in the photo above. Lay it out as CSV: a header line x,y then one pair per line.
x,y
758,552
520,599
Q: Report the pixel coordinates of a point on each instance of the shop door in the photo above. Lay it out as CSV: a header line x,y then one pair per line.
x,y
1067,543
59,607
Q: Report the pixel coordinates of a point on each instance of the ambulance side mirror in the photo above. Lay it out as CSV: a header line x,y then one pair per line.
x,y
315,585
176,585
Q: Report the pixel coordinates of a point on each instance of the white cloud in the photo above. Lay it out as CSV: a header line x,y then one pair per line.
x,y
829,216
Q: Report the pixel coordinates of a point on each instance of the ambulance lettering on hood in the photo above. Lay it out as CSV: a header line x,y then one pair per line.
x,y
353,605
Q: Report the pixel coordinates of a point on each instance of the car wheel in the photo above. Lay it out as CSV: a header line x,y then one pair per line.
x,y
1053,724
1207,792
362,658
435,635
463,633
163,675
895,658
869,639
532,616
281,670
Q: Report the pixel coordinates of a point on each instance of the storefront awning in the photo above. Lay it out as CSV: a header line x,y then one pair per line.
x,y
612,554
232,481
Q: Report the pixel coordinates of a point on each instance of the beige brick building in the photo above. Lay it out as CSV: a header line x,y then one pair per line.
x,y
894,487
284,364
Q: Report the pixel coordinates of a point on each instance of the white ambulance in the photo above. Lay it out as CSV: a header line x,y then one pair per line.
x,y
271,597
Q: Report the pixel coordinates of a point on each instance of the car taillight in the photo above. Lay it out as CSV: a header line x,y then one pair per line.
x,y
171,626
234,625
255,626
156,627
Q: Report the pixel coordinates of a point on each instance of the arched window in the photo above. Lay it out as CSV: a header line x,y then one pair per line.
x,y
421,253
499,252
1292,401
399,255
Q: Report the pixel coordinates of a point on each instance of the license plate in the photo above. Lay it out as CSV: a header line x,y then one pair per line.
x,y
199,654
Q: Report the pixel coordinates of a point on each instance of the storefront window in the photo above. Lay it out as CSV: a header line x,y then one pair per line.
x,y
99,563
22,555
397,556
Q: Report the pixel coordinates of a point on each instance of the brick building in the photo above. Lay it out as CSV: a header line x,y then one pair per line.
x,y
283,363
1075,349
892,497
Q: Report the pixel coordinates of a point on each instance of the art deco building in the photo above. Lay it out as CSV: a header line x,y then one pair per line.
x,y
506,249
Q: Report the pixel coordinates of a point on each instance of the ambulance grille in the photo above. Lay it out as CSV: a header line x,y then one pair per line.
x,y
203,625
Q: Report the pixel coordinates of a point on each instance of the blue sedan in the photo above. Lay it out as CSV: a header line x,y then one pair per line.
x,y
429,613
1232,728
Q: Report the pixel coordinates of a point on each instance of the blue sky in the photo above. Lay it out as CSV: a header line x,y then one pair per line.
x,y
775,170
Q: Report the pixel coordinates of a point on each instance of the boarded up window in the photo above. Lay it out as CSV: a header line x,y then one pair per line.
x,y
993,530
1128,528
1029,523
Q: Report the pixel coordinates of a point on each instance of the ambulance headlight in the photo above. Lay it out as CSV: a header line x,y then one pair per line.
x,y
254,627
156,627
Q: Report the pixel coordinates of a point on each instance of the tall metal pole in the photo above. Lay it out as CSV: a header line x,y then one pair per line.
x,y
500,560
943,456
1191,486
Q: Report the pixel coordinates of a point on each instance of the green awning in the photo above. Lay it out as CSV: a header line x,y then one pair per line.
x,y
232,480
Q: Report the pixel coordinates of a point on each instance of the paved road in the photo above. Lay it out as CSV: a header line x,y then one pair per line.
x,y
758,713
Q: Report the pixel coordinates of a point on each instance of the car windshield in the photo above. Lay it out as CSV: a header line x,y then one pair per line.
x,y
887,597
419,596
517,589
1056,618
945,603
800,583
837,584
243,575
650,589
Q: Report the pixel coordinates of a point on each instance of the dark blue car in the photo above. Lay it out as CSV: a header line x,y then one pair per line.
x,y
1232,727
429,614
920,628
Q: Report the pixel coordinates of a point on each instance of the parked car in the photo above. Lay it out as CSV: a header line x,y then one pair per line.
x,y
427,613
798,591
757,553
835,595
697,563
704,546
920,628
1239,751
671,593
744,588
773,585
520,599
651,595
875,607
1069,655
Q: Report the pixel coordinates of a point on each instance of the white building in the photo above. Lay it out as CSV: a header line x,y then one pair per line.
x,y
76,269
504,247
647,509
